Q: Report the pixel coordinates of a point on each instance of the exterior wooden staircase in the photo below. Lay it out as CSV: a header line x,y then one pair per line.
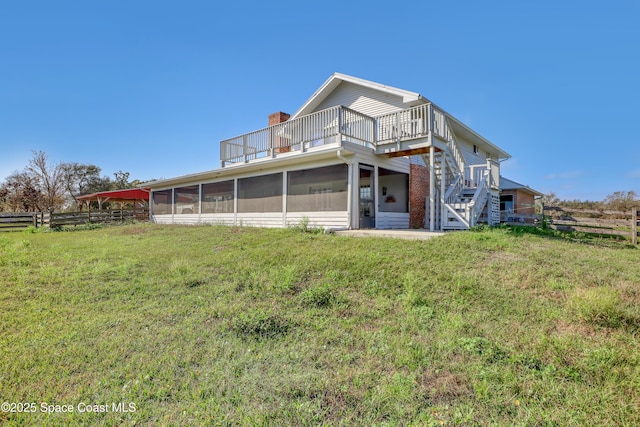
x,y
462,192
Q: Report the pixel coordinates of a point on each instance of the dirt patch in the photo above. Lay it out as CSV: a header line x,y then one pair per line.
x,y
444,386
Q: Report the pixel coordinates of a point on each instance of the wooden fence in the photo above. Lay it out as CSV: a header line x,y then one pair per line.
x,y
603,223
22,220
18,220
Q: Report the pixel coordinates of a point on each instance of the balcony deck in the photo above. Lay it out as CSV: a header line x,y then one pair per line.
x,y
405,132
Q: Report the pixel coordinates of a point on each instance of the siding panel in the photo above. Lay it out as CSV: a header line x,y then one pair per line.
x,y
389,220
365,100
218,219
334,219
267,219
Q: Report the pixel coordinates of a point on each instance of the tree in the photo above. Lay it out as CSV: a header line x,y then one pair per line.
x,y
622,200
19,193
43,186
122,180
80,179
550,199
49,180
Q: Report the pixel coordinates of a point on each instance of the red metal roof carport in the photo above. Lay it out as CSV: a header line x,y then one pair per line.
x,y
136,195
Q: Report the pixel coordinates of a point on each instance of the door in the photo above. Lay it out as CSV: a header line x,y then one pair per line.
x,y
367,198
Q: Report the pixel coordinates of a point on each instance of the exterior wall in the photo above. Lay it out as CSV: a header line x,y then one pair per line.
x,y
365,100
523,202
337,219
261,219
470,157
418,192
392,220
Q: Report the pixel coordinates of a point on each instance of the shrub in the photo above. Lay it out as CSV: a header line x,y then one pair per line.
x,y
304,227
321,296
259,324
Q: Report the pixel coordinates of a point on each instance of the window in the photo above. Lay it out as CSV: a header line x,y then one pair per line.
x,y
506,203
217,197
475,149
187,199
319,189
162,202
260,193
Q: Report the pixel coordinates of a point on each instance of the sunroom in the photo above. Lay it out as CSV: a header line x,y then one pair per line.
x,y
324,193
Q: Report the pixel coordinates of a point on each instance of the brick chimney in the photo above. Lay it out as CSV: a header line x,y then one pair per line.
x,y
278,117
281,145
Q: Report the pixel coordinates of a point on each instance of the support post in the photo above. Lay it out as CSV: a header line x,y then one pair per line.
x,y
443,182
432,189
350,196
634,226
235,201
374,196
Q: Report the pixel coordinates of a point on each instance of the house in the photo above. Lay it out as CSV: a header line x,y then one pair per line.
x,y
356,154
517,201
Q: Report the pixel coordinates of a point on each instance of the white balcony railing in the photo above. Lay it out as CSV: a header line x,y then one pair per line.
x,y
300,134
322,127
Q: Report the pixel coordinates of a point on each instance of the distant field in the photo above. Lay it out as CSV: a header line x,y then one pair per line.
x,y
174,325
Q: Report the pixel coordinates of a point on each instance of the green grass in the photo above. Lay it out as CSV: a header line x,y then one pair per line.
x,y
242,326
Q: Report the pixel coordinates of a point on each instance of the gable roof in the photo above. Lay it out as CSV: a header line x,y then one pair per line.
x,y
507,184
411,99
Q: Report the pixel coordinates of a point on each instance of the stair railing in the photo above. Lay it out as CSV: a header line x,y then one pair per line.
x,y
480,197
453,146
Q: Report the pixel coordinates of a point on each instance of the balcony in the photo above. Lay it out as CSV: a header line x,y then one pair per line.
x,y
383,134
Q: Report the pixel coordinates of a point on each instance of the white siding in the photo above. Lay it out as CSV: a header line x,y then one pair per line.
x,y
388,220
161,219
188,219
365,100
265,219
218,218
417,160
470,157
400,164
333,219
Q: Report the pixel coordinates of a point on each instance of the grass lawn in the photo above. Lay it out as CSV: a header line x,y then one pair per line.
x,y
213,325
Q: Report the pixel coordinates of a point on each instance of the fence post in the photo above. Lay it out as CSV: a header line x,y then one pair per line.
x,y
634,226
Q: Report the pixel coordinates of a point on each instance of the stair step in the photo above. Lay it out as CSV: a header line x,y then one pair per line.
x,y
459,206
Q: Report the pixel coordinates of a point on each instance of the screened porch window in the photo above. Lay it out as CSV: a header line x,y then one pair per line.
x,y
162,202
260,193
187,199
217,197
318,189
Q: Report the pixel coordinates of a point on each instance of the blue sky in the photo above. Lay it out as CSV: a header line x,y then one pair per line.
x,y
151,87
